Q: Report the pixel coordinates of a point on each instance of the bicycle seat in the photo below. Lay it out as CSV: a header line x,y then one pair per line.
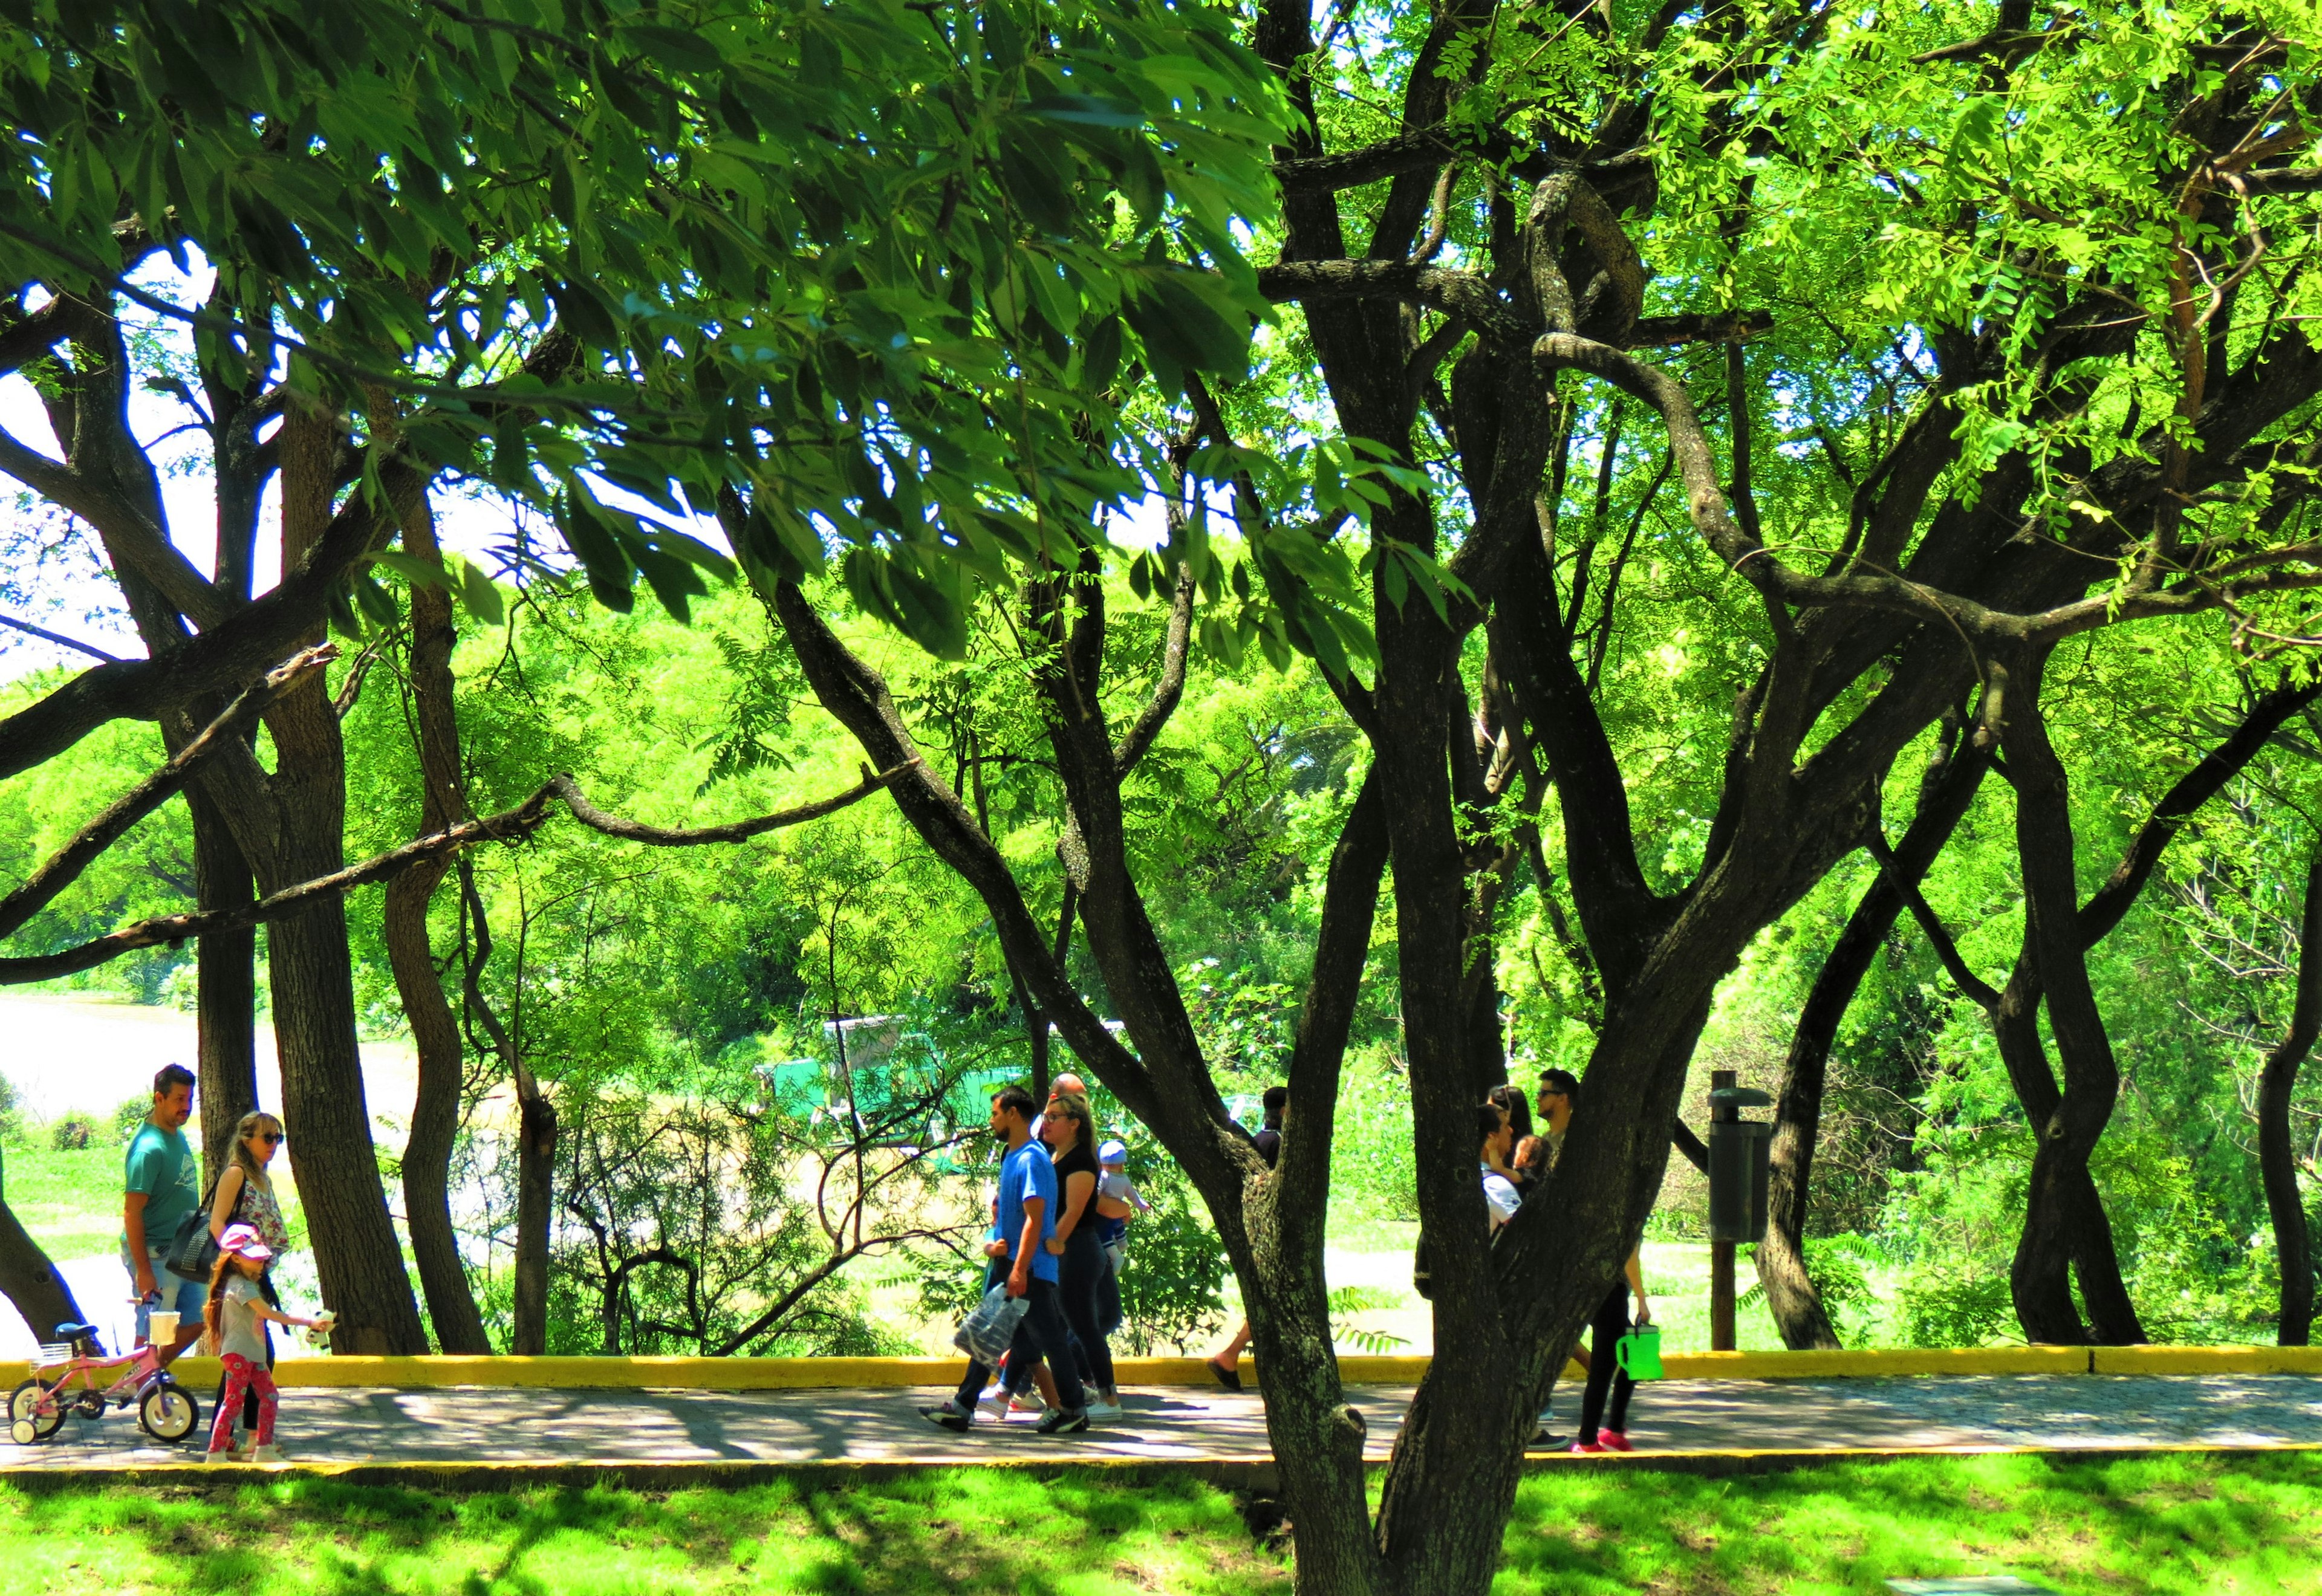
x,y
69,1332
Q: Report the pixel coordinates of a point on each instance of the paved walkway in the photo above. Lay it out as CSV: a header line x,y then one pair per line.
x,y
473,1424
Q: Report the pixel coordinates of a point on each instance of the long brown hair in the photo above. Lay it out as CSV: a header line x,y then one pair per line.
x,y
243,1158
220,1272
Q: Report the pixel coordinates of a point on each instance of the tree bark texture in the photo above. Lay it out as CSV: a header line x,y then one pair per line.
x,y
2059,1222
225,986
1945,793
325,1108
2070,1230
286,826
2276,1153
536,1175
31,1283
418,983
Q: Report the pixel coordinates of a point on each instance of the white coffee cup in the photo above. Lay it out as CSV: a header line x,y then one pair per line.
x,y
163,1328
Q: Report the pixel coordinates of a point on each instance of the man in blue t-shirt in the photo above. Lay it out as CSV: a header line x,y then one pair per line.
x,y
160,1186
1023,1222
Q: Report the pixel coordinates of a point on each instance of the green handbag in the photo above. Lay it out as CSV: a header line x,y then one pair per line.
x,y
1638,1353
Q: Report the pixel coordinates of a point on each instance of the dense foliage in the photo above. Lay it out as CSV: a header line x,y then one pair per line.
x,y
1377,549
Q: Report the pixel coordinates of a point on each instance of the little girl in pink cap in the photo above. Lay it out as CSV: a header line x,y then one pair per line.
x,y
232,1314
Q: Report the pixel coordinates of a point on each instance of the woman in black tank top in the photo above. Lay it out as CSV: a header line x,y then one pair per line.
x,y
1081,1267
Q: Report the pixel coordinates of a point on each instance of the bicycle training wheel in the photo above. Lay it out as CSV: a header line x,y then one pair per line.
x,y
168,1412
26,1423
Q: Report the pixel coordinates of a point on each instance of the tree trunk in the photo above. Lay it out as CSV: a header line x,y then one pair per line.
x,y
434,1031
311,974
2064,1219
536,1149
1457,1446
2277,1155
227,986
1945,792
535,1172
2065,1227
30,1281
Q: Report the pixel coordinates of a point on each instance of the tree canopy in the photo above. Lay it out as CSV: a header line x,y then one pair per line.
x,y
1540,532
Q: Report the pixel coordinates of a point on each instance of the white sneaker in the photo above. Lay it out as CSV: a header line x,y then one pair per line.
x,y
1031,1402
266,1455
992,1404
1104,1405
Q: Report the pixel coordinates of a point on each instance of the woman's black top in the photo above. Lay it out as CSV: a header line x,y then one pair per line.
x,y
1080,1160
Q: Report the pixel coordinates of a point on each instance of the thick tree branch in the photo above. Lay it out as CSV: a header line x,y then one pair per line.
x,y
2106,907
1723,326
2277,1151
65,866
1175,650
858,696
1464,294
1333,990
1905,884
124,528
241,648
2307,179
45,635
508,825
1432,147
28,338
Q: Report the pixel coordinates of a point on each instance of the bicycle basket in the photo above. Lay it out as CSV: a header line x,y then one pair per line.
x,y
53,1351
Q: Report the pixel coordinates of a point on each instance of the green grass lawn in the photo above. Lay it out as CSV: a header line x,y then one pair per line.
x,y
68,1202
2162,1525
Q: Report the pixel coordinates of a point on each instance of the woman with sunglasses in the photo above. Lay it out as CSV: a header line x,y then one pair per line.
x,y
245,1196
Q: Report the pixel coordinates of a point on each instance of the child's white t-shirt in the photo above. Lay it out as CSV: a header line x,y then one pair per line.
x,y
239,1329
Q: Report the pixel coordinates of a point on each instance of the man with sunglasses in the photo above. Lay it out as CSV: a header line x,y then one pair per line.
x,y
1559,1090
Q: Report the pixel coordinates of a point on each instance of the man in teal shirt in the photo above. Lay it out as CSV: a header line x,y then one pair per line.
x,y
162,1186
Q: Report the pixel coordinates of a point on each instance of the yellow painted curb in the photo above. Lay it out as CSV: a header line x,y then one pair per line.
x,y
679,1374
2208,1360
1257,1468
1880,1362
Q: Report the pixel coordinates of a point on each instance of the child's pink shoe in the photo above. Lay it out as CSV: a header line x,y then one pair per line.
x,y
1586,1448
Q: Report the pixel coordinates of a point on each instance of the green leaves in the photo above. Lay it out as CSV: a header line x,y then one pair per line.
x,y
615,547
1187,321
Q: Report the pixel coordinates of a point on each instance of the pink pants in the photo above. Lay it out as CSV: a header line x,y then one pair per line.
x,y
241,1376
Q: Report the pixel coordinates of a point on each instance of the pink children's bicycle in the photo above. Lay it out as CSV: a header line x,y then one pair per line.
x,y
39,1408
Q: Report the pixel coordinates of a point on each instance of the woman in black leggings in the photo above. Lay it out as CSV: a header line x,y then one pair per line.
x,y
1603,1428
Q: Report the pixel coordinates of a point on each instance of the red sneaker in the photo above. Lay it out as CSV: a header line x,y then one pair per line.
x,y
1586,1448
1613,1441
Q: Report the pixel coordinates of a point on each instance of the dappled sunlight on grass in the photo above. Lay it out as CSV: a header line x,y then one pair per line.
x,y
2156,1525
1071,1535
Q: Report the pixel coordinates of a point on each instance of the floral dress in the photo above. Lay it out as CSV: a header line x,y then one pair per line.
x,y
255,1207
